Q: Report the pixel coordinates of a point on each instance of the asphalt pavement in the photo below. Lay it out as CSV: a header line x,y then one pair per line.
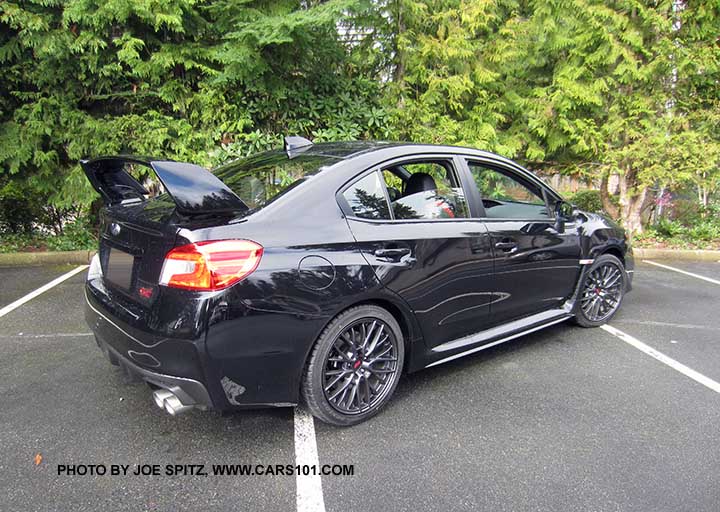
x,y
562,419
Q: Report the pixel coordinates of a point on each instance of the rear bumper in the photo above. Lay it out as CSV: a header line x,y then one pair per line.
x,y
168,363
232,364
189,391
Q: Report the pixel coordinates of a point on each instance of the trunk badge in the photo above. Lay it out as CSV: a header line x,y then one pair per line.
x,y
115,228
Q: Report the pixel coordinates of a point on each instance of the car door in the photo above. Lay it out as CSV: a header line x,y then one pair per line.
x,y
423,244
536,265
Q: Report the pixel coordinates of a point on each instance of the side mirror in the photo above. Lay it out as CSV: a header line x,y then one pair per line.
x,y
564,212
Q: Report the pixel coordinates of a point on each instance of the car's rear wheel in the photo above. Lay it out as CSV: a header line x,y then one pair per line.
x,y
602,292
354,366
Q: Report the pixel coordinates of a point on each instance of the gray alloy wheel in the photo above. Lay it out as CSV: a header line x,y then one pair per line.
x,y
354,366
602,292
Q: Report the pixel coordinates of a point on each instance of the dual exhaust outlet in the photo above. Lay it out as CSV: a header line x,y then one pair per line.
x,y
166,399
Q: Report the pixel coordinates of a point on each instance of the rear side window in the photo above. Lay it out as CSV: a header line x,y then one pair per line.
x,y
366,198
260,179
425,190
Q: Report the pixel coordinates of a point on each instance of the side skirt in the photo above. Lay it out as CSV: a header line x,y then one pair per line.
x,y
484,339
511,330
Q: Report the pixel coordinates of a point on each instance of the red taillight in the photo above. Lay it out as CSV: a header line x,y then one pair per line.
x,y
145,292
211,265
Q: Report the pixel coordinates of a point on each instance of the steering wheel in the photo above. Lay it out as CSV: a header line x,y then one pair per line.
x,y
489,203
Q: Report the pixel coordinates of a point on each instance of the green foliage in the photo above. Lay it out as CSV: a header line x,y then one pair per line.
x,y
76,236
581,86
584,87
16,242
705,232
686,211
19,210
687,227
184,79
587,200
669,228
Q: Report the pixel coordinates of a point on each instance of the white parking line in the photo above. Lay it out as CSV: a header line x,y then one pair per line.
x,y
708,279
38,336
14,305
309,494
672,363
667,324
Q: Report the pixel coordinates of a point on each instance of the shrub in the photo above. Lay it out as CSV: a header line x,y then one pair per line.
x,y
685,211
14,242
704,231
20,210
697,227
667,228
76,236
587,200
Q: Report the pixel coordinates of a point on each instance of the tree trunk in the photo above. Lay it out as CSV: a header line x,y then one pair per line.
x,y
607,204
399,71
632,202
658,211
703,195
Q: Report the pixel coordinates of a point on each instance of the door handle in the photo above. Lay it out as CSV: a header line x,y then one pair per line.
x,y
392,255
506,246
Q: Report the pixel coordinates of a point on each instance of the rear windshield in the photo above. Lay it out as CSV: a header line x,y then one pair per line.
x,y
259,179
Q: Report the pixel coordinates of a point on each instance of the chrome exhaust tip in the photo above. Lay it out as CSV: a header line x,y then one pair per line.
x,y
173,405
159,397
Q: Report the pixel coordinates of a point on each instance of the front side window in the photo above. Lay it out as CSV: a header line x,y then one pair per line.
x,y
425,190
366,198
505,196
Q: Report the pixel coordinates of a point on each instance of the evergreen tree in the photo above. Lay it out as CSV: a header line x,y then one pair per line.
x,y
586,87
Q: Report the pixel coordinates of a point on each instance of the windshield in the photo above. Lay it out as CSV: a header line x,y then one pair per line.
x,y
259,179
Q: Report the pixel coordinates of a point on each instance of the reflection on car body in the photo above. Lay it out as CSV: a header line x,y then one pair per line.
x,y
325,271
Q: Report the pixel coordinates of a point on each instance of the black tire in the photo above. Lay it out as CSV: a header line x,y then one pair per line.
x,y
601,292
344,356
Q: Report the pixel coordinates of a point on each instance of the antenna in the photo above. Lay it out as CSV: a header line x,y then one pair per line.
x,y
294,145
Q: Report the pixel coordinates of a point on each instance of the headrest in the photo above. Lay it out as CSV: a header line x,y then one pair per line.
x,y
419,182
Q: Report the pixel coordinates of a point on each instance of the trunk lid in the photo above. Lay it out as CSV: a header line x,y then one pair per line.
x,y
134,240
136,231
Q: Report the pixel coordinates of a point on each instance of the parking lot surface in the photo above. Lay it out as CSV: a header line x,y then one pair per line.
x,y
562,419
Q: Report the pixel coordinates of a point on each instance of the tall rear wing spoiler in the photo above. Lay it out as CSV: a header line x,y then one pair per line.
x,y
194,189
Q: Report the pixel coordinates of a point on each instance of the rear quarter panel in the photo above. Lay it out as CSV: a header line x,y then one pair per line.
x,y
260,331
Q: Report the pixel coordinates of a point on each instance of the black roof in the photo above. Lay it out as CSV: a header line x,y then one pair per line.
x,y
349,149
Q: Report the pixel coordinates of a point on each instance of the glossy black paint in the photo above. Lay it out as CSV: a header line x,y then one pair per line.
x,y
248,344
196,191
535,270
193,189
446,279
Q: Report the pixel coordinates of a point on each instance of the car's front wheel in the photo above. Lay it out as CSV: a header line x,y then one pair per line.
x,y
354,366
601,292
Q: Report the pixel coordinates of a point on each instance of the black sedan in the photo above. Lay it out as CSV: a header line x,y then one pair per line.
x,y
325,271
